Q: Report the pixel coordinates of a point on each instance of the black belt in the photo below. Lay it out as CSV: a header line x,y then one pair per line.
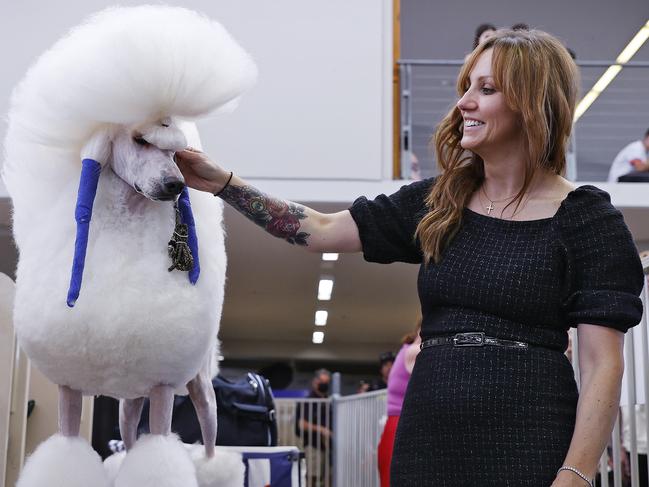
x,y
472,339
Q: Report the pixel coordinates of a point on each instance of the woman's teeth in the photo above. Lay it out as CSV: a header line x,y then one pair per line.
x,y
472,123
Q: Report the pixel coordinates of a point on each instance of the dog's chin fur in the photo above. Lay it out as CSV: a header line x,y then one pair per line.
x,y
61,460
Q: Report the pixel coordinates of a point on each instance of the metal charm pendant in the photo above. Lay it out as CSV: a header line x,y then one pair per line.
x,y
179,251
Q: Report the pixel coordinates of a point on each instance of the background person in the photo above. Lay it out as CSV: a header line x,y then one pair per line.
x,y
313,426
397,383
499,213
633,157
482,33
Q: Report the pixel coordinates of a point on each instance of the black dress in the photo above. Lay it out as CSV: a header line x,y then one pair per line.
x,y
496,416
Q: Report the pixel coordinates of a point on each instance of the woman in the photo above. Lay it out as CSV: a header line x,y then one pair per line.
x,y
397,383
512,256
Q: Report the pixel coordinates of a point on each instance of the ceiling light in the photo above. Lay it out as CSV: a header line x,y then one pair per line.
x,y
318,336
325,288
585,102
321,317
606,78
613,70
635,44
327,256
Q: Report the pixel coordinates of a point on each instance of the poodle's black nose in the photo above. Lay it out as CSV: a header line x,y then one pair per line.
x,y
173,186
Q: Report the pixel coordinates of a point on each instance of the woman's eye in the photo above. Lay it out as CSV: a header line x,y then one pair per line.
x,y
487,91
140,141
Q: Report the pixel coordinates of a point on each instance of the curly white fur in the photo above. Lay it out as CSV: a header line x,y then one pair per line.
x,y
55,459
135,325
225,469
157,461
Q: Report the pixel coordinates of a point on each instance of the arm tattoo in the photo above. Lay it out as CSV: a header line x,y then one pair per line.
x,y
279,218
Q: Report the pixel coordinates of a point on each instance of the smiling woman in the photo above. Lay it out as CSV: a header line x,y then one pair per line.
x,y
518,92
511,257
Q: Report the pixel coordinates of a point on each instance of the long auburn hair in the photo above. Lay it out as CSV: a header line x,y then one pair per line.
x,y
539,80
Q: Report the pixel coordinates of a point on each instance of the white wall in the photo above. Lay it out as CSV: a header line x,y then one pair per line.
x,y
321,108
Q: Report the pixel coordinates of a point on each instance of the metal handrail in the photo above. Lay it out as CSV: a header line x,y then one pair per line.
x,y
580,63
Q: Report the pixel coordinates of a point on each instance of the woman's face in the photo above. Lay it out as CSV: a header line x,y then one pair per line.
x,y
488,122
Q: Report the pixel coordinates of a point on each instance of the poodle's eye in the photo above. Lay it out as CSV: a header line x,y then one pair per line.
x,y
139,140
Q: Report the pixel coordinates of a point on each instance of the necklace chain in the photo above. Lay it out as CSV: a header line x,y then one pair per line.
x,y
495,201
491,206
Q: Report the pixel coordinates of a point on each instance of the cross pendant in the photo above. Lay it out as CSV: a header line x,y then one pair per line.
x,y
489,208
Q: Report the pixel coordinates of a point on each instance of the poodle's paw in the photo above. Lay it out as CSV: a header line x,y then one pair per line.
x,y
112,465
63,460
225,469
157,461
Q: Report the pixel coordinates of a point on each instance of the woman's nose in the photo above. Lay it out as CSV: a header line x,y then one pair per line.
x,y
466,102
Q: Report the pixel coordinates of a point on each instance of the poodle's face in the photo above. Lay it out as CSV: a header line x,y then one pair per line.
x,y
143,156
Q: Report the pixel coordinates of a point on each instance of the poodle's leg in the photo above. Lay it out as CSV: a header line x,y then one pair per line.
x,y
202,395
158,459
130,411
69,411
65,458
161,406
212,470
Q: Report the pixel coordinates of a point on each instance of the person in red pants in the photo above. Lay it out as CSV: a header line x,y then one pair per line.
x,y
397,384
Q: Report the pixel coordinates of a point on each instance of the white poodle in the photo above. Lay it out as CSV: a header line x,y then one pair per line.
x,y
120,91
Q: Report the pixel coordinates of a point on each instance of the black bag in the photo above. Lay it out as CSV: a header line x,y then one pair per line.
x,y
245,412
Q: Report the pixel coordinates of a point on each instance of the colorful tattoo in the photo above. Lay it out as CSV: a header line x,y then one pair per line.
x,y
279,218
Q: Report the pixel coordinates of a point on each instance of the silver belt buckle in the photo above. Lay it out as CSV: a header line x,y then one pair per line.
x,y
471,339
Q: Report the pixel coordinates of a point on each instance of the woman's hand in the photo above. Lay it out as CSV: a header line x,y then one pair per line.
x,y
200,172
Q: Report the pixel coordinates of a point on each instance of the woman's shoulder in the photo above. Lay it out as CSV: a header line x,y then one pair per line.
x,y
587,216
586,203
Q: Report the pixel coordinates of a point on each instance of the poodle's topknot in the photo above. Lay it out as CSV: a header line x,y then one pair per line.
x,y
121,66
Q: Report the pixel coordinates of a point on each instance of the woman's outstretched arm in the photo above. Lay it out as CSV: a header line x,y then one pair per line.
x,y
297,224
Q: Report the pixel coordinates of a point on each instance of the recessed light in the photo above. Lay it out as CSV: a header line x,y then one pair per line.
x,y
329,256
318,337
321,317
325,288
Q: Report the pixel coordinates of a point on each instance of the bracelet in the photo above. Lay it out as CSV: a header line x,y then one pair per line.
x,y
578,473
218,193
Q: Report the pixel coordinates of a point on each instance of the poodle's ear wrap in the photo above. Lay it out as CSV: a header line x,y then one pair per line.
x,y
90,171
187,217
94,154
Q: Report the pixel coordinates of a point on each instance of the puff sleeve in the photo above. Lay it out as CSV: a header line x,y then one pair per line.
x,y
387,224
604,273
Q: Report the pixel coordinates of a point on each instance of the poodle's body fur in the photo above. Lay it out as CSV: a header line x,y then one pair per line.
x,y
135,324
136,329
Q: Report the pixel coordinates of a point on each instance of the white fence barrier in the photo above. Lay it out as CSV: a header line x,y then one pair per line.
x,y
358,421
307,424
338,435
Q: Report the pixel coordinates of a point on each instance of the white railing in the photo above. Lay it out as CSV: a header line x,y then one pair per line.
x,y
355,423
358,426
313,438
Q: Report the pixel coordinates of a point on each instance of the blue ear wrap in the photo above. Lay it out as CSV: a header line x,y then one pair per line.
x,y
90,171
187,217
